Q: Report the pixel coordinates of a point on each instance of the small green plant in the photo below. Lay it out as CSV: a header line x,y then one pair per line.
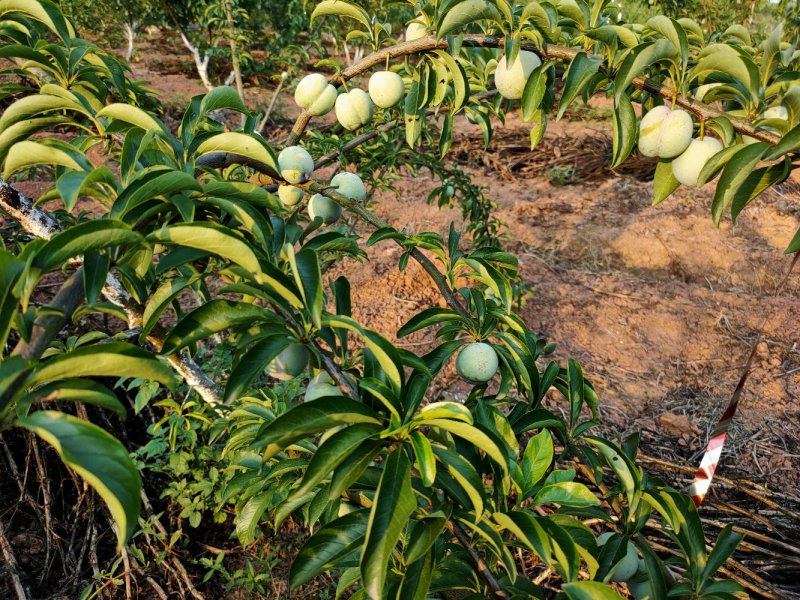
x,y
560,175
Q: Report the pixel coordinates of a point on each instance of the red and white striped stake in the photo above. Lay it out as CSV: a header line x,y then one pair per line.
x,y
705,473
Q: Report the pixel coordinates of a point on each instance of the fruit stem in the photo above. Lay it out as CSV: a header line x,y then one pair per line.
x,y
387,61
344,84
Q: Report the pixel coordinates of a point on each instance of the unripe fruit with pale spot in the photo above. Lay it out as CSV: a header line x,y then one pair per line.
x,y
477,362
350,185
289,363
664,132
510,80
295,164
386,88
321,385
315,94
627,567
686,168
354,109
702,90
290,196
324,208
415,31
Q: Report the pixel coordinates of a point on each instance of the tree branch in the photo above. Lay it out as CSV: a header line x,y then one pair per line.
x,y
40,224
548,51
480,564
11,565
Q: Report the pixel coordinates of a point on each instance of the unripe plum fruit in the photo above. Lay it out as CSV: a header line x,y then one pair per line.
x,y
350,185
315,94
627,567
510,80
324,208
477,362
289,195
386,88
354,109
289,363
779,112
321,385
295,164
686,168
415,31
664,132
640,590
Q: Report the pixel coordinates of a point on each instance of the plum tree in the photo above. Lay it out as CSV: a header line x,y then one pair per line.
x,y
510,80
386,88
320,386
686,167
324,208
350,185
290,195
664,132
354,109
439,494
295,164
291,361
315,94
477,362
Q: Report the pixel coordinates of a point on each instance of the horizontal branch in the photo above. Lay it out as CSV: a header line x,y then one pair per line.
x,y
548,51
40,224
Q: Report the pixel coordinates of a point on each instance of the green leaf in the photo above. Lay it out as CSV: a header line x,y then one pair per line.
x,y
211,238
130,114
474,436
84,391
734,174
332,452
253,363
393,505
412,115
98,458
11,271
627,472
84,238
426,463
223,96
113,359
578,74
464,13
625,129
249,515
639,59
566,493
533,94
423,535
333,542
726,544
537,458
756,183
664,182
161,299
210,318
429,316
417,579
722,58
794,246
307,275
27,154
341,8
312,417
242,145
43,11
157,183
590,590
24,130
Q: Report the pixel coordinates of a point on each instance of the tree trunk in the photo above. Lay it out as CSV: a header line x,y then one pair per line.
x,y
200,63
130,34
235,55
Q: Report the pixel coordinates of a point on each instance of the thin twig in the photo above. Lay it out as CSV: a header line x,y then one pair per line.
x,y
11,565
483,569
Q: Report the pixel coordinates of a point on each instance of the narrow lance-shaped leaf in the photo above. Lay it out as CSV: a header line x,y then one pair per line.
x,y
96,456
393,505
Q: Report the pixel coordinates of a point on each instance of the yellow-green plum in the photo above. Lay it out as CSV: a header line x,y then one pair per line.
x,y
386,88
295,164
477,362
315,94
778,113
321,385
701,90
324,208
350,185
510,80
686,168
415,31
664,132
354,109
289,363
289,195
627,567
